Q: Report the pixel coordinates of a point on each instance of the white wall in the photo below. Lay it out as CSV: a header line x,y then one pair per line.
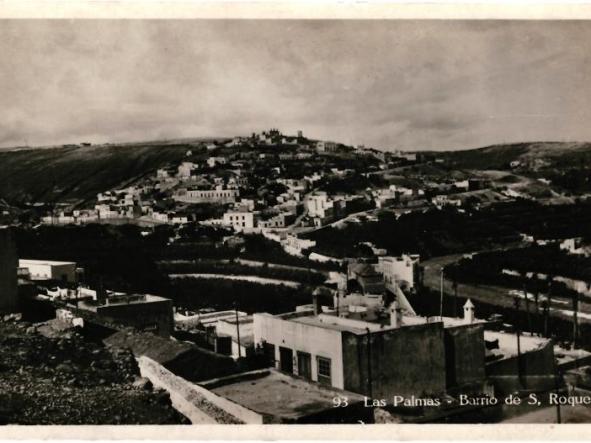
x,y
47,271
398,269
315,340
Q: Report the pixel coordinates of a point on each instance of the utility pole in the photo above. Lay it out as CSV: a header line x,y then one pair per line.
x,y
518,333
548,319
537,302
441,296
237,330
527,308
575,319
545,315
369,380
455,288
556,390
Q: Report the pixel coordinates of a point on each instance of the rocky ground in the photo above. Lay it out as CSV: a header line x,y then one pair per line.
x,y
64,379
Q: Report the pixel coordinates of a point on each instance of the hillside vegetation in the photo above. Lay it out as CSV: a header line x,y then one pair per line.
x,y
77,173
561,154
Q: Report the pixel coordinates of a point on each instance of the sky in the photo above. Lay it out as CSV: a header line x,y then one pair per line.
x,y
391,84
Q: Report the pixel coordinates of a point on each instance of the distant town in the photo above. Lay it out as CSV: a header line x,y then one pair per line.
x,y
346,283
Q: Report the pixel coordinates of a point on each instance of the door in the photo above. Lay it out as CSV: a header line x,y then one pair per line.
x,y
286,360
305,365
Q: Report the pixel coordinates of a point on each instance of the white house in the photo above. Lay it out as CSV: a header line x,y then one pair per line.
x,y
402,270
239,220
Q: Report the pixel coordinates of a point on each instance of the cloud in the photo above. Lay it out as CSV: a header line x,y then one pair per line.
x,y
390,84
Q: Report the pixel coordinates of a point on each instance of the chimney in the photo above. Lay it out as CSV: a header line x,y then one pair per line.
x,y
101,294
395,315
469,312
315,302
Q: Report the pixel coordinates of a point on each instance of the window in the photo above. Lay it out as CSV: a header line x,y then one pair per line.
x,y
324,372
304,365
286,360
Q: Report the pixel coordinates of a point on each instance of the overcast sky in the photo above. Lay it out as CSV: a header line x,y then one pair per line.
x,y
387,84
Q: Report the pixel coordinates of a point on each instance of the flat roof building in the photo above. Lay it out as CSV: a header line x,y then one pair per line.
x,y
144,312
49,270
396,354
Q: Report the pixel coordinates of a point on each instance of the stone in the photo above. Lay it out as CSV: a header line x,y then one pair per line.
x,y
142,383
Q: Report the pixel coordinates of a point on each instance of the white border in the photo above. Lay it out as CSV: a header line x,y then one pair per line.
x,y
347,9
320,9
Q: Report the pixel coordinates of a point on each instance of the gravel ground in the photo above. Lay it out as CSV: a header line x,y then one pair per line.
x,y
64,379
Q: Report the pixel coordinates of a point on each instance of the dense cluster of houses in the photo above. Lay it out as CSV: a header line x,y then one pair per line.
x,y
225,180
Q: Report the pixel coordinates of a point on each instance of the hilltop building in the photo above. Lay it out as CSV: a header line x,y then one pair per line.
x,y
207,196
186,170
213,161
327,146
576,246
323,209
240,220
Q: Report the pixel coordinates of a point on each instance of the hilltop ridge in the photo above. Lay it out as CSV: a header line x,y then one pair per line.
x,y
79,172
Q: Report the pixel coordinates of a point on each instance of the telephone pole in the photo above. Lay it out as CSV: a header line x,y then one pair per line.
x,y
237,330
441,296
527,308
516,302
369,380
575,319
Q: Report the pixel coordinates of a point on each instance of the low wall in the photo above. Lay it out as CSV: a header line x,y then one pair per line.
x,y
537,368
191,400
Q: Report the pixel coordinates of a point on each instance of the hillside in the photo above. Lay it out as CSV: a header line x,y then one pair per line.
x,y
78,173
537,154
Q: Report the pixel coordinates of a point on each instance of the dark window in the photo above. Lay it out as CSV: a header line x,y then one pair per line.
x,y
304,365
286,360
324,372
269,351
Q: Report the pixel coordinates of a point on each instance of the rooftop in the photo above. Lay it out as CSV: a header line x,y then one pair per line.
x,y
284,396
332,321
26,261
455,321
157,348
118,300
508,343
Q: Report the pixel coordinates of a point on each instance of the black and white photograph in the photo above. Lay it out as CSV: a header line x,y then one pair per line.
x,y
295,221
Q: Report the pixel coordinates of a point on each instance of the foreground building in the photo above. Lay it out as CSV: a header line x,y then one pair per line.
x,y
400,355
